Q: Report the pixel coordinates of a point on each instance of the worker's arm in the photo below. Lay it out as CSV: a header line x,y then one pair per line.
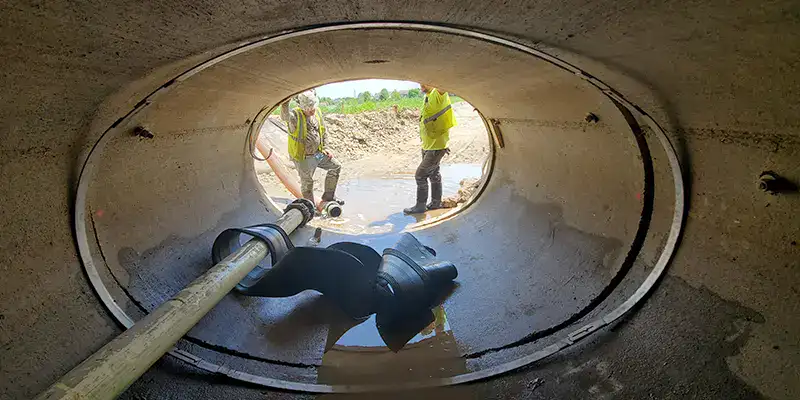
x,y
288,116
434,102
437,94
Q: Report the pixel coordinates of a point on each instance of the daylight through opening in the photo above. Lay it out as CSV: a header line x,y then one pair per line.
x,y
370,154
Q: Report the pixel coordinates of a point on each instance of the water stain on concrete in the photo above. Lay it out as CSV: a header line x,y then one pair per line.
x,y
674,347
523,273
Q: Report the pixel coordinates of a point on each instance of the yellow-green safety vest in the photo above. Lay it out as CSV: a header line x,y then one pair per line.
x,y
297,139
436,119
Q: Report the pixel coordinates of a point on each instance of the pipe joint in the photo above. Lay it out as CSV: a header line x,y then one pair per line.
x,y
305,206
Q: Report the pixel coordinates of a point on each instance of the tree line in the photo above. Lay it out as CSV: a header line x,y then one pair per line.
x,y
365,97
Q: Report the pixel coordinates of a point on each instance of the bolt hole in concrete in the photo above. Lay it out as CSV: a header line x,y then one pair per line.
x,y
373,132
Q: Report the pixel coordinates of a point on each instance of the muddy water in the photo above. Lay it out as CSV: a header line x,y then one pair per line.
x,y
359,355
374,204
366,334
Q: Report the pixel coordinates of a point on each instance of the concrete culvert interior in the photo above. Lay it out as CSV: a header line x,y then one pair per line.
x,y
556,248
573,228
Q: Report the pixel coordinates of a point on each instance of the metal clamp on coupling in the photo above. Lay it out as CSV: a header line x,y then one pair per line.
x,y
305,206
273,235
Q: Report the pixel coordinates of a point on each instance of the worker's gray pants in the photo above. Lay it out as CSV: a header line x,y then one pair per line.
x,y
306,170
429,169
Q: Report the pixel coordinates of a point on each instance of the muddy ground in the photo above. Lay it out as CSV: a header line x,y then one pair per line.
x,y
378,144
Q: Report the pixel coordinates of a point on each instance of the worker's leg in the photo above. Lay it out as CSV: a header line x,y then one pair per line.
x,y
436,180
331,178
305,170
426,167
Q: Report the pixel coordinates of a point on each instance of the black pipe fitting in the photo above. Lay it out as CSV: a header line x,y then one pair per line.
x,y
305,206
401,287
772,183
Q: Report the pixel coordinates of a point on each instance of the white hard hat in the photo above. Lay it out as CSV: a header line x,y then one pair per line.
x,y
308,100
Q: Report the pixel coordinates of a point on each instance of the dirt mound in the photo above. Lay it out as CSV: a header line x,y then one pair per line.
x,y
355,136
468,187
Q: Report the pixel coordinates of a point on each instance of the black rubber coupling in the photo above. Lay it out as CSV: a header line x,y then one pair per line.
x,y
305,206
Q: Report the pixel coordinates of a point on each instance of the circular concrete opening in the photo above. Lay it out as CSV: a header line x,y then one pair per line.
x,y
375,143
546,248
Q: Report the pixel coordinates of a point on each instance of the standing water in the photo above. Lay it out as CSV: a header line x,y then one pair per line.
x,y
374,205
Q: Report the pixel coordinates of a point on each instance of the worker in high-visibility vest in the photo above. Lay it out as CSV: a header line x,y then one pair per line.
x,y
307,146
436,119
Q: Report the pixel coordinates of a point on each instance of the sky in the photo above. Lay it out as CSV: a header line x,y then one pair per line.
x,y
346,89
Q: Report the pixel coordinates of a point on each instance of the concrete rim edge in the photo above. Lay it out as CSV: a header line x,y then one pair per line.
x,y
670,246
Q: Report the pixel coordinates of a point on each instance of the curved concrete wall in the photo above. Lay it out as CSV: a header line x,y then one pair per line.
x,y
556,211
722,323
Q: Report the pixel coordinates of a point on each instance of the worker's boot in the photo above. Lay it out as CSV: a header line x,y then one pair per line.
x,y
436,195
418,208
331,180
422,196
328,196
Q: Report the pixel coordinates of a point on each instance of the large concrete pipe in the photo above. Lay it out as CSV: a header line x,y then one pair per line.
x,y
551,232
574,253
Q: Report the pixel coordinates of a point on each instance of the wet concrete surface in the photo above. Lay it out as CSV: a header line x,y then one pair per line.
x,y
521,270
540,273
283,330
685,359
288,330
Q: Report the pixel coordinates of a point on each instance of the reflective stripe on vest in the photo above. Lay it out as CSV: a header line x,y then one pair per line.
x,y
301,122
441,120
437,115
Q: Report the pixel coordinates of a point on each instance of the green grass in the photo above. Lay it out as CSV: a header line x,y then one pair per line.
x,y
355,106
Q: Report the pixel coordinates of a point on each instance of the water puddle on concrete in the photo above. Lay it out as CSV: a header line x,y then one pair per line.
x,y
374,205
374,210
360,356
366,334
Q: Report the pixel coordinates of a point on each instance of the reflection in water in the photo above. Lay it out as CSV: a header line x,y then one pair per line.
x,y
360,357
366,334
375,205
